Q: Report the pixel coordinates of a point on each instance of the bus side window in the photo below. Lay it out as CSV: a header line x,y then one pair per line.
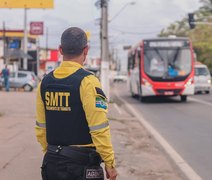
x,y
130,62
139,54
133,61
137,58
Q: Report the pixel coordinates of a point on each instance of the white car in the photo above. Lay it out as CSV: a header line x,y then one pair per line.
x,y
120,78
202,79
22,79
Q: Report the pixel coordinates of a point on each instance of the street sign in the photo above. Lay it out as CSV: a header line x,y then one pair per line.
x,y
36,28
43,4
14,44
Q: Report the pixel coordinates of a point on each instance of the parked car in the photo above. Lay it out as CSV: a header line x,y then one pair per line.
x,y
119,77
94,70
202,79
21,79
1,84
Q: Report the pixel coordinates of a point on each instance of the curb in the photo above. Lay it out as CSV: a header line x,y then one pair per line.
x,y
186,170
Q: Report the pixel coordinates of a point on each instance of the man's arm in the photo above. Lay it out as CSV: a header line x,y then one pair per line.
x,y
95,107
40,128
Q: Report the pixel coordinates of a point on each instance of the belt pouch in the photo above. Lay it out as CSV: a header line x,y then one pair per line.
x,y
93,173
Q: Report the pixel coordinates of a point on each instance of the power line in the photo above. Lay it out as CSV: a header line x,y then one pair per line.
x,y
135,33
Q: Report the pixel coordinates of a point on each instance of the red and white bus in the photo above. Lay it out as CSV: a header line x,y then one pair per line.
x,y
161,67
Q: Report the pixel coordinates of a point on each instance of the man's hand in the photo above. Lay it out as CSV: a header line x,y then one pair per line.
x,y
111,173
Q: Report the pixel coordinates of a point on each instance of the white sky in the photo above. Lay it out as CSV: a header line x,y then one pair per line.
x,y
144,19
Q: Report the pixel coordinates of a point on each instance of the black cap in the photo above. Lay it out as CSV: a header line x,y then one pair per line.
x,y
73,41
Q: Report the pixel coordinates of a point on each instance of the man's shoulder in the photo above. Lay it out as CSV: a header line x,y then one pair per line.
x,y
91,78
47,75
85,72
90,81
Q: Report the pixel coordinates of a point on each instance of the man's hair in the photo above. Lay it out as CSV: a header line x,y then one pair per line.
x,y
73,41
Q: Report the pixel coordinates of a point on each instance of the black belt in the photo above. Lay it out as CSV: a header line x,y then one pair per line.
x,y
77,154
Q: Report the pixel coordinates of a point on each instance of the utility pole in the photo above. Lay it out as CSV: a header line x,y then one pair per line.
x,y
4,43
25,63
38,55
101,33
105,49
47,42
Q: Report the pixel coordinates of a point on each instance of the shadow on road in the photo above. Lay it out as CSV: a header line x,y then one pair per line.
x,y
155,100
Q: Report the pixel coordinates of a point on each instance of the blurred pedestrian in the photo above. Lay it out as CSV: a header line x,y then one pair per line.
x,y
6,75
71,125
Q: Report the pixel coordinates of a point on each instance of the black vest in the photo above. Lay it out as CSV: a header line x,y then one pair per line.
x,y
66,122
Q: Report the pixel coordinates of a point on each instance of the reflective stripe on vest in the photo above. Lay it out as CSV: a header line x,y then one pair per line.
x,y
42,125
98,127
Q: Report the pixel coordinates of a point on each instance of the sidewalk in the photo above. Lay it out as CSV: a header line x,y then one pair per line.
x,y
138,155
21,155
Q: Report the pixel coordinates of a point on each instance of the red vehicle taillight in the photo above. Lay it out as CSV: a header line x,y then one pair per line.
x,y
33,78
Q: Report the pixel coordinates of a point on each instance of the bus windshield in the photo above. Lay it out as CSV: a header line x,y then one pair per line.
x,y
167,63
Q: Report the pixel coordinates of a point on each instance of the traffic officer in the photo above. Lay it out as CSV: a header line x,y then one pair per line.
x,y
71,124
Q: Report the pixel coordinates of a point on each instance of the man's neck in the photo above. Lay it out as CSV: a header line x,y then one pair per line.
x,y
78,59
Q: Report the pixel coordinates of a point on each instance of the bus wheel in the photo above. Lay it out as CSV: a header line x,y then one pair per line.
x,y
207,92
183,98
133,95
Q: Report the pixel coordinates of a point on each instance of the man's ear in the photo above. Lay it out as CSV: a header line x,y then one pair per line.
x,y
61,50
86,50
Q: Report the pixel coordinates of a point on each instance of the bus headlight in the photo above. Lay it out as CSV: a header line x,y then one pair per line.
x,y
146,83
209,81
189,82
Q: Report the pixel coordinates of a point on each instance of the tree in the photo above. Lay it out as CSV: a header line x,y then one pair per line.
x,y
178,28
207,5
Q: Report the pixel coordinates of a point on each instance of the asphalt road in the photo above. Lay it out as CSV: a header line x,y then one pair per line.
x,y
186,126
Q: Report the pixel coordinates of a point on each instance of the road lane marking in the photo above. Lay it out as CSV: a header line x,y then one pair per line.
x,y
177,159
200,101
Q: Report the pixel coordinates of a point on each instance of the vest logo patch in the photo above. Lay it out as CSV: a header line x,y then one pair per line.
x,y
57,101
101,103
94,173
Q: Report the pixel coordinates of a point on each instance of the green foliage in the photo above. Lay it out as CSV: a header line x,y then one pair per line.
x,y
204,52
178,28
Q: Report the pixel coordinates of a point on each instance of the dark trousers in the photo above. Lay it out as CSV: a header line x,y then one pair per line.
x,y
60,167
6,83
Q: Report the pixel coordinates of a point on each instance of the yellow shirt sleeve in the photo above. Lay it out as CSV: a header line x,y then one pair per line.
x,y
95,107
40,128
